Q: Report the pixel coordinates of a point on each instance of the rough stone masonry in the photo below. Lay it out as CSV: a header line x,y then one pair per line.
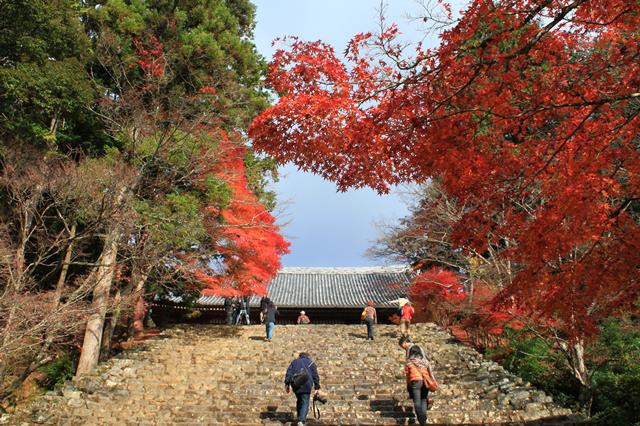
x,y
217,375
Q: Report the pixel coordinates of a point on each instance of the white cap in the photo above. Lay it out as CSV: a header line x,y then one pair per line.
x,y
301,312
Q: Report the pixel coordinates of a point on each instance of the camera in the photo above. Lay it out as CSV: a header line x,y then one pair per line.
x,y
321,399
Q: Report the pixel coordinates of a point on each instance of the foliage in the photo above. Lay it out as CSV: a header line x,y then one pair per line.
x,y
613,360
616,377
58,371
251,243
525,112
181,73
205,44
423,239
108,111
44,89
176,222
218,192
535,360
438,292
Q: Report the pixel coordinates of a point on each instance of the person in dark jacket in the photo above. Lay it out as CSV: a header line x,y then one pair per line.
x,y
306,366
228,309
270,314
264,302
235,304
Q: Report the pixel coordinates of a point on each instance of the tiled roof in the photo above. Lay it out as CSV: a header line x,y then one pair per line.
x,y
296,287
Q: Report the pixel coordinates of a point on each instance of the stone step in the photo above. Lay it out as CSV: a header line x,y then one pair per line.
x,y
201,375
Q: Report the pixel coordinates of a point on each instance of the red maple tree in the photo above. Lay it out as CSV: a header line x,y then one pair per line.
x,y
249,241
528,112
438,281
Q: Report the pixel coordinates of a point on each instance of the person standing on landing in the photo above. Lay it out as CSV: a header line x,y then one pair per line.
x,y
416,367
405,319
303,319
235,306
302,376
370,318
228,310
243,311
270,314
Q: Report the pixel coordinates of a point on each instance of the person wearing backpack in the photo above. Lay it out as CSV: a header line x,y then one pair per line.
x,y
370,317
420,380
264,302
405,319
302,377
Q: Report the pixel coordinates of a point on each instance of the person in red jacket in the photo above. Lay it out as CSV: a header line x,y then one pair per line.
x,y
405,319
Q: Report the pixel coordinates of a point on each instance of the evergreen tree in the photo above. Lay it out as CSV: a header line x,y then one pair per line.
x,y
45,92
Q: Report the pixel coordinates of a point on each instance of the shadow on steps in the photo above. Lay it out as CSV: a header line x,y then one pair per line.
x,y
272,414
391,408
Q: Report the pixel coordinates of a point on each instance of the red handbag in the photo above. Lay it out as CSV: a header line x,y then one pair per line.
x,y
429,380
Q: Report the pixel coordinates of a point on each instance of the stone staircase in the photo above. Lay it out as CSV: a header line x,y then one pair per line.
x,y
218,375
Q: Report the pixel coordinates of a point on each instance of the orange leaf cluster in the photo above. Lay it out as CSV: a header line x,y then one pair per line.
x,y
251,243
529,113
441,282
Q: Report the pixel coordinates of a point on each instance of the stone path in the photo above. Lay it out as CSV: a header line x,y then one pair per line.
x,y
217,375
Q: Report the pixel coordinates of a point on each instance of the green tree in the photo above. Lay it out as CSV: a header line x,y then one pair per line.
x,y
616,365
207,43
45,92
124,103
176,75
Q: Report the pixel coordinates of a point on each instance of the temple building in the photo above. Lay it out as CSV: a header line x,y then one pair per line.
x,y
327,295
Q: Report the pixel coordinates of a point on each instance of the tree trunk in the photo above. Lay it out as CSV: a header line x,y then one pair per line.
x,y
27,216
5,340
93,334
49,335
109,328
575,356
65,268
140,307
105,342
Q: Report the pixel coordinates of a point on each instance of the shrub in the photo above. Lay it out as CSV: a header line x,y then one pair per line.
x,y
532,358
616,377
58,371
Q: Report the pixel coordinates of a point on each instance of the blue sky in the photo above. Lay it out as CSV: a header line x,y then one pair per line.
x,y
327,228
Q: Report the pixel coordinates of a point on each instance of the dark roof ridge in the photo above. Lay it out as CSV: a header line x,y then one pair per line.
x,y
388,269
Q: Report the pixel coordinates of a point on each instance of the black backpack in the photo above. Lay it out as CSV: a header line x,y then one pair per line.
x,y
300,378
